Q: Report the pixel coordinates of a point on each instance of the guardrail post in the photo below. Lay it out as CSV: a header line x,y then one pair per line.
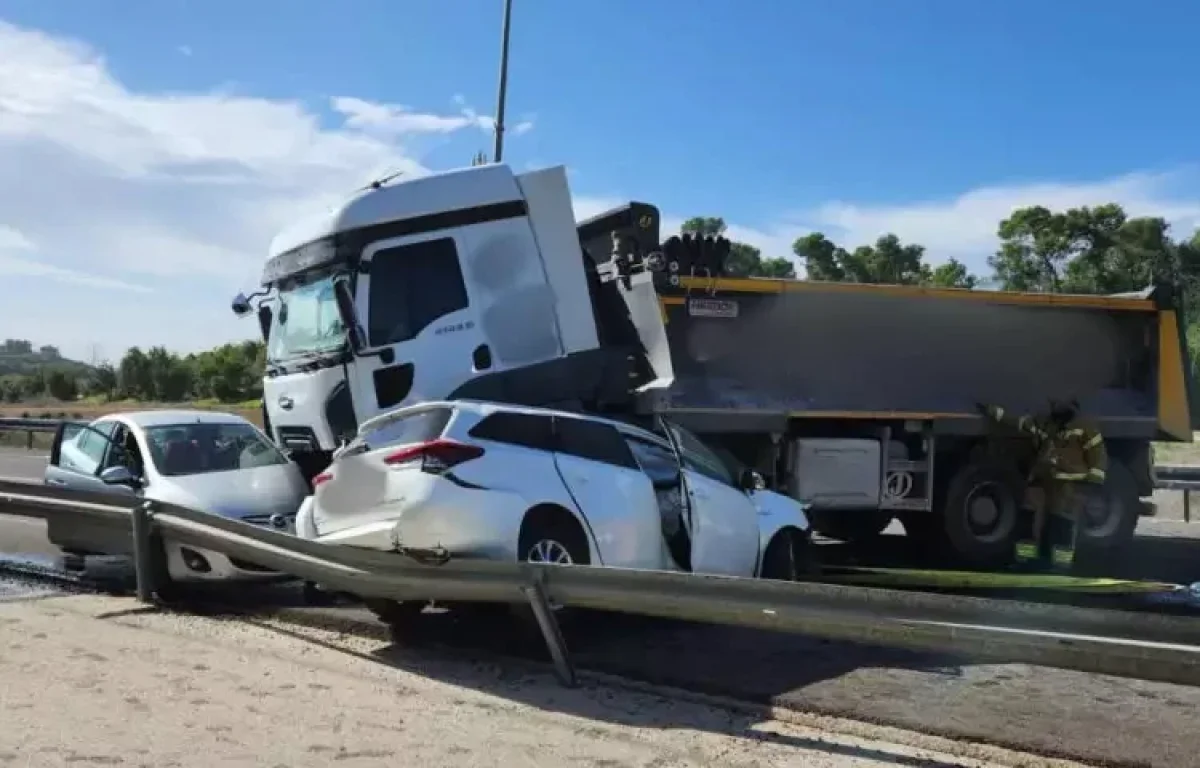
x,y
540,602
143,552
29,440
1187,506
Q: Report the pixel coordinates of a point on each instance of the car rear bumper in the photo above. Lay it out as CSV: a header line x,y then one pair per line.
x,y
442,515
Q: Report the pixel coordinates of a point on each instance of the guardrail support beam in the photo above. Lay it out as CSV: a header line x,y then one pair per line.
x,y
143,554
540,603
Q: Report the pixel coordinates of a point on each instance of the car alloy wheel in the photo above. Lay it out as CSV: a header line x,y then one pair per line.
x,y
549,551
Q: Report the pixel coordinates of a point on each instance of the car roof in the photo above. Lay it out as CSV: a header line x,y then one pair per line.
x,y
175,417
486,407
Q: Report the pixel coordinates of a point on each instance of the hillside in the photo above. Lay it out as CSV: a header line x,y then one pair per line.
x,y
20,358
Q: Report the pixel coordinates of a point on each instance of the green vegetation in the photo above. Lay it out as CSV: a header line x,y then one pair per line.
x,y
230,374
1081,250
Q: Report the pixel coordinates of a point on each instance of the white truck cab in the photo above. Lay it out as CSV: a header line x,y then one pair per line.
x,y
469,283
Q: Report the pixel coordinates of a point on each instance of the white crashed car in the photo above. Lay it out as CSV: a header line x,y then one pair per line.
x,y
214,462
515,483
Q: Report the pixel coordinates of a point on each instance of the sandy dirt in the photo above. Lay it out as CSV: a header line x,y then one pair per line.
x,y
93,680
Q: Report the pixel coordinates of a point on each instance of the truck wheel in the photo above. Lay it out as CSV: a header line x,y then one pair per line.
x,y
981,512
1107,527
850,525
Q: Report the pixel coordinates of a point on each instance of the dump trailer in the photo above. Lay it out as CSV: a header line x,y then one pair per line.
x,y
863,399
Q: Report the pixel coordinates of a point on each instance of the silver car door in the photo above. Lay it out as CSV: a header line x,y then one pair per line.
x,y
616,498
724,529
75,461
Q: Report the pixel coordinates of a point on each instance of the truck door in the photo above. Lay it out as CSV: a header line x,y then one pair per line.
x,y
422,333
724,520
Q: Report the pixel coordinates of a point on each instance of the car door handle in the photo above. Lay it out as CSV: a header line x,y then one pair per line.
x,y
55,481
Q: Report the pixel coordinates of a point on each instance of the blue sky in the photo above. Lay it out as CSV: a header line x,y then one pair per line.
x,y
928,117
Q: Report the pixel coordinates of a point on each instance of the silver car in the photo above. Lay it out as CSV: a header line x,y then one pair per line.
x,y
215,462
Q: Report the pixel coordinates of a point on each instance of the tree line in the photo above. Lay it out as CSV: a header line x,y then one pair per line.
x,y
229,373
1097,249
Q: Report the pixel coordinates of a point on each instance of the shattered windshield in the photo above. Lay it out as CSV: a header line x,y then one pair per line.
x,y
306,319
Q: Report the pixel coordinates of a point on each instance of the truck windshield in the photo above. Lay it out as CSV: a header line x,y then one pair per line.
x,y
306,319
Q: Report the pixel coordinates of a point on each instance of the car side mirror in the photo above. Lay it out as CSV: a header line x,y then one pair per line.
x,y
347,314
120,476
750,481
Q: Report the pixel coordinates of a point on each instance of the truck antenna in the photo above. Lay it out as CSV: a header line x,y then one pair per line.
x,y
497,155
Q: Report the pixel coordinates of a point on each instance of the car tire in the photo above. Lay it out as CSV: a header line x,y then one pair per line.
x,y
551,534
167,591
549,531
981,512
790,556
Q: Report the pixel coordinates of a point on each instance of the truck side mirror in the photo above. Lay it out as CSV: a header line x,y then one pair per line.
x,y
241,305
349,318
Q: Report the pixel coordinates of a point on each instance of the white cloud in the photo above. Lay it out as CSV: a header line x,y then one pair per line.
x,y
171,196
184,50
396,119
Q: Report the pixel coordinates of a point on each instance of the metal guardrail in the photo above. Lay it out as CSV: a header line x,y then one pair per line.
x,y
1154,647
30,427
1179,477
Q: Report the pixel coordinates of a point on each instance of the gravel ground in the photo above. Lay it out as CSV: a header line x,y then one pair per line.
x,y
96,680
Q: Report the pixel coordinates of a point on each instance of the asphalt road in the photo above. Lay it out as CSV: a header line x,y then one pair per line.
x,y
1098,719
20,464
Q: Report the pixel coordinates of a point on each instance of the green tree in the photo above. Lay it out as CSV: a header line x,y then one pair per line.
x,y
60,385
102,381
744,260
1089,250
134,376
889,261
230,372
952,274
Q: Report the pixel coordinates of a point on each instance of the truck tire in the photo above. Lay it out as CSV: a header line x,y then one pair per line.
x,y
850,525
1106,530
981,512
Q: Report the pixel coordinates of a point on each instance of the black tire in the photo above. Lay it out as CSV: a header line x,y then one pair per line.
x,y
167,591
790,556
1105,531
542,524
850,525
981,512
546,526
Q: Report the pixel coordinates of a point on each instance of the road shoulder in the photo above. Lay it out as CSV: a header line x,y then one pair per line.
x,y
97,679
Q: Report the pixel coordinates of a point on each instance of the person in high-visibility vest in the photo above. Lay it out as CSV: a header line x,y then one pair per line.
x,y
1070,468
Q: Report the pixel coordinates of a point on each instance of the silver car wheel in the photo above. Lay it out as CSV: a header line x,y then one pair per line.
x,y
549,551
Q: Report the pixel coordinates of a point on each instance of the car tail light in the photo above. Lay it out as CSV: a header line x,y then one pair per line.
x,y
435,456
321,478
